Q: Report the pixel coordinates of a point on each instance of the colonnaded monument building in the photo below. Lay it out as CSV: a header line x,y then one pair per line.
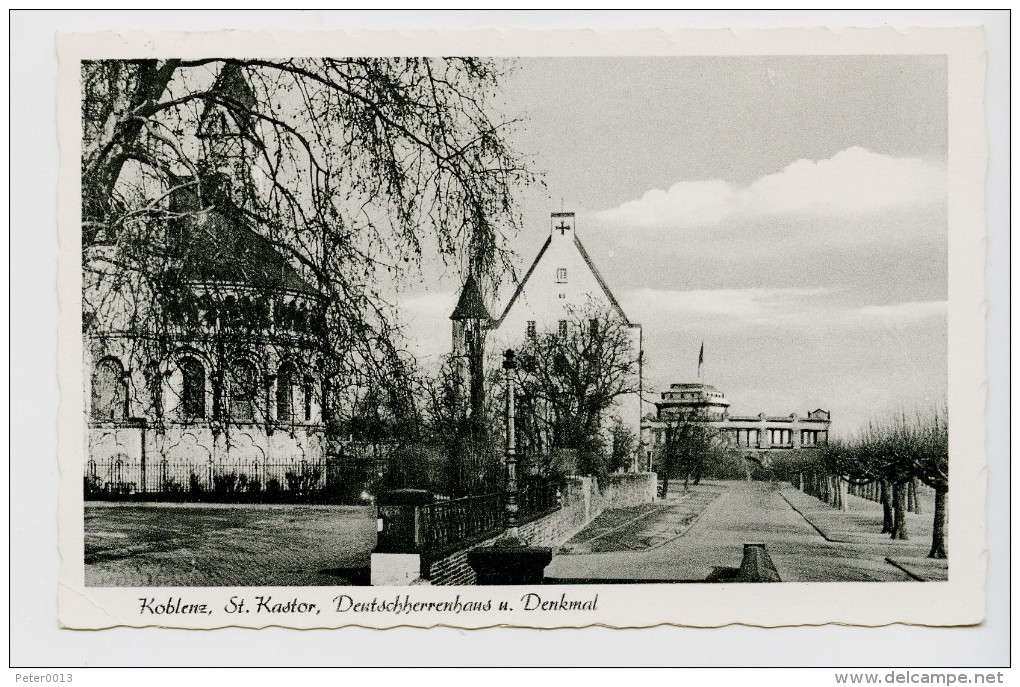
x,y
755,436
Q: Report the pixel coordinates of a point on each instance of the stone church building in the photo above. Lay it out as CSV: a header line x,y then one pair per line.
x,y
213,384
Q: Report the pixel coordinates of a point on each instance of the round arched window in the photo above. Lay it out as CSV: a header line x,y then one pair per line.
x,y
286,392
192,388
243,391
109,391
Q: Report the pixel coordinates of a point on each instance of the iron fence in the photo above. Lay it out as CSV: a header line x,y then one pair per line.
x,y
537,497
447,523
227,480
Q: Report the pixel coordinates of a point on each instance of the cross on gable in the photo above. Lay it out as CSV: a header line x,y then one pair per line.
x,y
562,227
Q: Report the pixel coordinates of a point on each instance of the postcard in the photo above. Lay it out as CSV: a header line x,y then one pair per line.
x,y
522,328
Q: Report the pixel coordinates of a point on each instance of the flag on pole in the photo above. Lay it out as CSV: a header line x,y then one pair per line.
x,y
701,358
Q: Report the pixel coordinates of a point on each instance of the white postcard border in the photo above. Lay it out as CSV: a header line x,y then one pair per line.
x,y
958,601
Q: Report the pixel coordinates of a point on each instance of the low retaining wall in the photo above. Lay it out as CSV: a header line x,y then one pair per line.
x,y
582,503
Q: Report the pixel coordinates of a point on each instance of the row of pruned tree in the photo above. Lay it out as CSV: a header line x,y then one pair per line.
x,y
889,457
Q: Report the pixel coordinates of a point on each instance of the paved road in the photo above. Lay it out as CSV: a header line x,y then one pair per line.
x,y
685,538
226,545
744,512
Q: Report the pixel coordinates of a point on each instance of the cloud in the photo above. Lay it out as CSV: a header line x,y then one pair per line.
x,y
427,305
853,182
738,303
903,312
791,308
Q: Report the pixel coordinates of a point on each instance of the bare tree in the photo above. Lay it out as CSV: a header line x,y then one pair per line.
x,y
570,381
346,170
894,454
692,445
466,441
930,458
624,445
859,462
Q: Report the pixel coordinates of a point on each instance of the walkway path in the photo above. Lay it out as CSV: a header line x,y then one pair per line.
x,y
685,538
644,527
742,512
861,525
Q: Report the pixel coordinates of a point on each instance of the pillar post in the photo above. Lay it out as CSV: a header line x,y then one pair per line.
x,y
512,506
510,560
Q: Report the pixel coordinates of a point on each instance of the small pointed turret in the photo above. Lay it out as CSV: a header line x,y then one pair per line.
x,y
224,129
471,320
471,306
230,112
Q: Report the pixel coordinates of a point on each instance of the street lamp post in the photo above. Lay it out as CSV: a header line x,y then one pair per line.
x,y
510,560
512,506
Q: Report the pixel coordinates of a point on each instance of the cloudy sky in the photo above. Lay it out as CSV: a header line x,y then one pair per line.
x,y
790,212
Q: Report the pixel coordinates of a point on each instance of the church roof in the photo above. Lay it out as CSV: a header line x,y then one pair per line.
x,y
591,266
470,305
601,281
225,250
222,247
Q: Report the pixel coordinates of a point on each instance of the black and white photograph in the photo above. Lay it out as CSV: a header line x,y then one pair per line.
x,y
582,325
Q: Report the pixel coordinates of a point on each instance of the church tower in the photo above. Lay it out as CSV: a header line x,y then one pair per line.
x,y
223,129
471,321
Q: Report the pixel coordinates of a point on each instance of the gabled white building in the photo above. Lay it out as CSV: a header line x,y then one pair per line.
x,y
561,281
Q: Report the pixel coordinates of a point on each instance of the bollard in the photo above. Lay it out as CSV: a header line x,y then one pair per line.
x,y
757,566
397,559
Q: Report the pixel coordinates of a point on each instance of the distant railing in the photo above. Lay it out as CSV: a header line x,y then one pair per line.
x,y
872,491
538,497
226,480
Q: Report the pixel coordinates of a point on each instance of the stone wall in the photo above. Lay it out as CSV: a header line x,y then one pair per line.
x,y
582,503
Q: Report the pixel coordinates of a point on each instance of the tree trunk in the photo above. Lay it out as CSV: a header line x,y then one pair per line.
x,y
843,488
915,500
107,155
887,508
899,530
938,532
665,485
